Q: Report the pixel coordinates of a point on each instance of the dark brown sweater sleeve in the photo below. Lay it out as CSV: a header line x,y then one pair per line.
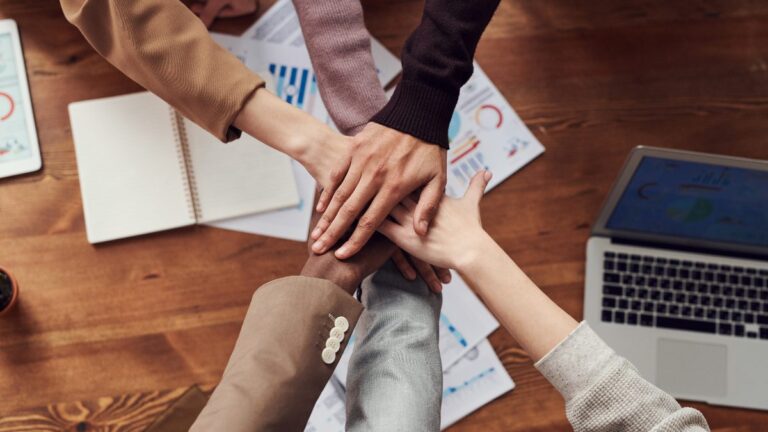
x,y
437,61
164,47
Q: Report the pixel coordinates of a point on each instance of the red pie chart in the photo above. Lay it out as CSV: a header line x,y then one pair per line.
x,y
6,106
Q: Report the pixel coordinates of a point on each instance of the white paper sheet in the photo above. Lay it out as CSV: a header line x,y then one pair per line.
x,y
329,413
486,133
475,380
280,25
464,322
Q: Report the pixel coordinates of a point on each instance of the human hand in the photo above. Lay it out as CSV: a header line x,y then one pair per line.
x,y
209,10
456,236
348,274
386,166
410,267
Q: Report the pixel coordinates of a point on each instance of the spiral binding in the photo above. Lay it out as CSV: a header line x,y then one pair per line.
x,y
185,161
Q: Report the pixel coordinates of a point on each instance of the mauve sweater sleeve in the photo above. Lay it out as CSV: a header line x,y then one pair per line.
x,y
437,61
340,49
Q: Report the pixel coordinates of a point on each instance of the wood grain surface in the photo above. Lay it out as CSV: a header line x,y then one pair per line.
x,y
147,317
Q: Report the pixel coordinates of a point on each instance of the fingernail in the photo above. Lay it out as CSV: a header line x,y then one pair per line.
x,y
447,278
318,247
424,226
487,175
437,287
316,233
411,276
341,253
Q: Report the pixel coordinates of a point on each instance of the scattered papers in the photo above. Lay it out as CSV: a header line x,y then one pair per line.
x,y
486,133
464,322
280,25
477,379
472,373
329,414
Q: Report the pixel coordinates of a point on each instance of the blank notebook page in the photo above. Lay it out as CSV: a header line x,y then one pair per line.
x,y
131,177
237,178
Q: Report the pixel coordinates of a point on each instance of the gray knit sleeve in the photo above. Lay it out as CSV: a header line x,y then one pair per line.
x,y
605,392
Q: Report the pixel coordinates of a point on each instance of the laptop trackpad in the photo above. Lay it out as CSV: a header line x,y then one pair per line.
x,y
692,368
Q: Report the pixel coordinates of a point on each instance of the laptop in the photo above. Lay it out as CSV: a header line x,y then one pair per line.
x,y
677,274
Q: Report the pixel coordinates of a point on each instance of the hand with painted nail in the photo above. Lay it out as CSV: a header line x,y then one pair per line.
x,y
456,234
386,166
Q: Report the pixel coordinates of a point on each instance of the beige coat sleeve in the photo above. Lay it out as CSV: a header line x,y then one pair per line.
x,y
276,372
163,46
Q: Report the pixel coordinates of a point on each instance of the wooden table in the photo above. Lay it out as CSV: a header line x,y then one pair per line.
x,y
147,317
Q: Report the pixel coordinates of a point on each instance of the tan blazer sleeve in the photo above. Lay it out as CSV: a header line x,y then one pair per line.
x,y
163,46
276,372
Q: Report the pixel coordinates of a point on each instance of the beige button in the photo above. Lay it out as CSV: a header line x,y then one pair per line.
x,y
333,344
337,333
328,355
341,323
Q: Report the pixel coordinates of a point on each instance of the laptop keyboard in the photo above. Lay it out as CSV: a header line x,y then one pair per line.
x,y
685,295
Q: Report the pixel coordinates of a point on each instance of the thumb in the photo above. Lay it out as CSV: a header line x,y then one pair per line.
x,y
477,186
426,209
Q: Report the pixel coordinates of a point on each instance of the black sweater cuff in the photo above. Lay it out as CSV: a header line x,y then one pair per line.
x,y
419,110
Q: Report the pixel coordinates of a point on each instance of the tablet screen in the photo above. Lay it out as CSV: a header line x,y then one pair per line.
x,y
695,200
14,139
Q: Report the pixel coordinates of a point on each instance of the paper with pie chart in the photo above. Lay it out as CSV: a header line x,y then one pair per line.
x,y
486,133
14,141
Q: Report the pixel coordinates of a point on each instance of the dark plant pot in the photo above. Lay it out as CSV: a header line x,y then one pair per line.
x,y
9,291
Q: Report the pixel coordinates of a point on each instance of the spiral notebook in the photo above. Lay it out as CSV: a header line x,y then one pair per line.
x,y
144,168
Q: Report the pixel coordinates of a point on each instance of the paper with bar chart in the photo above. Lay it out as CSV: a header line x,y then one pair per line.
x,y
464,322
486,133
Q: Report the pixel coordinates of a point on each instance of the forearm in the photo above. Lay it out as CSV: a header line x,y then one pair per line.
x,y
531,317
437,61
161,45
282,126
340,49
605,392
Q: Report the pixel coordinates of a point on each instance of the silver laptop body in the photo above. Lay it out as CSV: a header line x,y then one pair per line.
x,y
677,274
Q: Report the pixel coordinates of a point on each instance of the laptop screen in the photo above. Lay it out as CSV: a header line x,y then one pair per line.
x,y
694,200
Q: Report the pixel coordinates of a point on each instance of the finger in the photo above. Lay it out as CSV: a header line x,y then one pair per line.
x,y
211,10
340,195
325,196
401,214
444,274
382,204
477,186
426,209
236,10
397,234
428,274
344,218
405,267
409,204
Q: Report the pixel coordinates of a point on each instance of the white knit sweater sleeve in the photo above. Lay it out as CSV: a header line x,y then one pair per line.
x,y
605,392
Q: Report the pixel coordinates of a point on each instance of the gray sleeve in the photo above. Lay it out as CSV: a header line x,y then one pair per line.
x,y
605,392
395,374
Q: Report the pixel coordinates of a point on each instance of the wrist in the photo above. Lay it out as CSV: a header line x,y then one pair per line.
x,y
323,270
474,253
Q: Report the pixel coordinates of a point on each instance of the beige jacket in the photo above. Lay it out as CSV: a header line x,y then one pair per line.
x,y
164,47
276,373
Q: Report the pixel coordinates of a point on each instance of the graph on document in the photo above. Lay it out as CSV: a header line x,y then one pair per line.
x,y
296,85
451,340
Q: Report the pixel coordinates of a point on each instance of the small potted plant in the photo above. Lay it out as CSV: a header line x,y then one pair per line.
x,y
9,291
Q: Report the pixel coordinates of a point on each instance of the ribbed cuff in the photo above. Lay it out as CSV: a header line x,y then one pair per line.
x,y
577,361
419,110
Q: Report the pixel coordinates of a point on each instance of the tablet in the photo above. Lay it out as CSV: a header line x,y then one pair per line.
x,y
19,150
